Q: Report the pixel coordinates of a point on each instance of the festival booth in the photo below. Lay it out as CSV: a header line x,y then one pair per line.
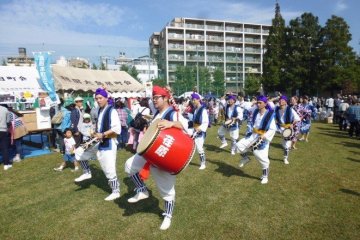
x,y
21,91
71,82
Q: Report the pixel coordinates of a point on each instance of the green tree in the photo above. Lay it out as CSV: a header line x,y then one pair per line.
x,y
3,62
94,66
159,81
134,73
274,55
102,66
218,85
337,57
124,68
185,78
301,51
252,84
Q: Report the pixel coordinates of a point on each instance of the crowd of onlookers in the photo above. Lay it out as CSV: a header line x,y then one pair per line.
x,y
80,118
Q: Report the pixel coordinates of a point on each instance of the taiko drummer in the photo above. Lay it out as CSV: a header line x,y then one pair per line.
x,y
286,118
137,165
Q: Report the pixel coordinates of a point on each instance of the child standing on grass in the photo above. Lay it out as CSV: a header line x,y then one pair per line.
x,y
87,128
69,155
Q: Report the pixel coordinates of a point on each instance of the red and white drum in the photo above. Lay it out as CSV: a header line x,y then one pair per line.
x,y
170,149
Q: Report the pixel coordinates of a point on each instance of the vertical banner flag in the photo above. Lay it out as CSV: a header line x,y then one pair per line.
x,y
42,61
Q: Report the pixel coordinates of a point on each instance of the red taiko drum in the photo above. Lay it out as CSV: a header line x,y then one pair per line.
x,y
170,149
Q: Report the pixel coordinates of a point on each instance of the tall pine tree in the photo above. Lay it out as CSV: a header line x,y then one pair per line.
x,y
274,55
337,57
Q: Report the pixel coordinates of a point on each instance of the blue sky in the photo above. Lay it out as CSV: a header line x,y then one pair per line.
x,y
91,28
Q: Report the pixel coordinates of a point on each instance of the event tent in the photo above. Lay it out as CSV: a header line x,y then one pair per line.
x,y
79,79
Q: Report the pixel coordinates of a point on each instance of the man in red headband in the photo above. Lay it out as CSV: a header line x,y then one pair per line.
x,y
165,181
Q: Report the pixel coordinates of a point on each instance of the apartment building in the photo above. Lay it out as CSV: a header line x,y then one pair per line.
x,y
237,48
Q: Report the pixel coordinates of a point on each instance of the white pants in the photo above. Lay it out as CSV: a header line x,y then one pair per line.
x,y
286,144
165,181
199,142
261,155
107,159
234,134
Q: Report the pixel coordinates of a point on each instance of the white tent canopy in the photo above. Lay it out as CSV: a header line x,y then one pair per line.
x,y
14,79
70,78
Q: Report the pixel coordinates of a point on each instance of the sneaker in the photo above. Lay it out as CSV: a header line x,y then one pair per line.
x,y
112,196
17,159
139,196
232,152
243,162
166,223
7,167
75,169
58,169
83,177
264,180
202,166
223,145
286,161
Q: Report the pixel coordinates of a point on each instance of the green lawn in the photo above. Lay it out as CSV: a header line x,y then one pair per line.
x,y
317,196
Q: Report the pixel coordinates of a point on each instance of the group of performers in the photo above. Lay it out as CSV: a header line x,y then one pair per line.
x,y
263,121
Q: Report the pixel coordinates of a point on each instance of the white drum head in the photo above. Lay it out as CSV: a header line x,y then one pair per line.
x,y
227,122
287,132
149,136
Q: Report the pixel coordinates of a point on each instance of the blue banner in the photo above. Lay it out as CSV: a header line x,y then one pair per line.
x,y
42,61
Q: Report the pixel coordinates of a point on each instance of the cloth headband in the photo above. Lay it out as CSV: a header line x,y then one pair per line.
x,y
102,92
157,90
262,99
195,96
283,97
231,97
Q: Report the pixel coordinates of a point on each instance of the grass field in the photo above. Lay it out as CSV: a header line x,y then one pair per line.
x,y
317,196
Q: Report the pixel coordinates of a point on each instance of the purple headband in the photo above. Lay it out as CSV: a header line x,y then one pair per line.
x,y
195,96
102,92
283,97
262,99
231,97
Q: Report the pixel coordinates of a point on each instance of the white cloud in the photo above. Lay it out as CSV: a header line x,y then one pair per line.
x,y
62,14
66,23
340,6
237,11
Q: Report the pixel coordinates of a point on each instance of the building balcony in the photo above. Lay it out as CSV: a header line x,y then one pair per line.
x,y
252,50
252,60
195,37
252,30
233,29
234,49
252,40
234,60
215,59
176,47
216,28
196,26
176,57
194,58
214,38
175,36
234,39
194,48
215,49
